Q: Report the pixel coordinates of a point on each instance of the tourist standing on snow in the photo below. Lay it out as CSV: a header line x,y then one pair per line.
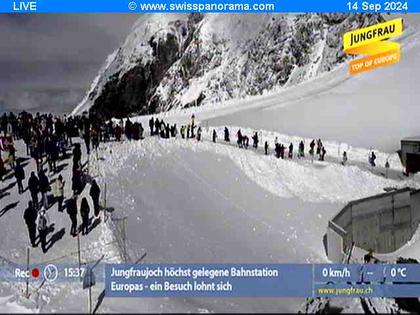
x,y
151,125
95,192
84,213
77,155
188,131
290,151
30,217
118,132
277,150
372,159
282,149
192,125
255,140
301,152
77,185
127,129
59,192
12,155
344,162
214,135
157,126
227,138
319,146
245,141
167,131
43,229
240,138
312,149
20,176
199,134
72,212
33,185
266,148
174,131
141,131
44,186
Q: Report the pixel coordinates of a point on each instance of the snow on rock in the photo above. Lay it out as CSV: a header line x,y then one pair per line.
x,y
179,61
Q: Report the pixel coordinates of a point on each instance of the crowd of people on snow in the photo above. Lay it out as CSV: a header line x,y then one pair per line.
x,y
48,140
316,146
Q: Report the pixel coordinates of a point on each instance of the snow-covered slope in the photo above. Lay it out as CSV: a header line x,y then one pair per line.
x,y
372,110
190,201
178,61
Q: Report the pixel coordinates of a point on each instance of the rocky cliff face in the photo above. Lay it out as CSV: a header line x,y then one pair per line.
x,y
179,61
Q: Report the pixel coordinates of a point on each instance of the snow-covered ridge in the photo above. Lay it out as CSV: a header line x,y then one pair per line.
x,y
298,178
179,61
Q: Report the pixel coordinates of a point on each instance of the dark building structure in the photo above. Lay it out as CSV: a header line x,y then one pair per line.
x,y
410,154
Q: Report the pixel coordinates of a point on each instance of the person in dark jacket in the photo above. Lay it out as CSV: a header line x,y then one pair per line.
x,y
372,159
151,125
266,148
255,140
72,212
77,185
95,191
20,176
240,138
77,154
227,139
33,185
43,229
291,151
84,212
30,216
157,126
44,186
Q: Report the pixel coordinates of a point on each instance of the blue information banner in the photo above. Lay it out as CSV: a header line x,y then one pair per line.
x,y
205,6
381,273
262,280
208,280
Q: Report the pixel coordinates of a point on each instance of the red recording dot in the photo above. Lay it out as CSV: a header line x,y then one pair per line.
x,y
35,272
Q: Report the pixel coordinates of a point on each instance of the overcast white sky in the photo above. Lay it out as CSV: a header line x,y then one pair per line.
x,y
47,61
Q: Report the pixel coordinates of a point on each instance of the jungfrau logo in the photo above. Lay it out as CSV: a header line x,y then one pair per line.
x,y
372,42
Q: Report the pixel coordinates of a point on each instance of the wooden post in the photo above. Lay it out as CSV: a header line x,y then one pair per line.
x,y
27,270
105,211
124,239
105,196
90,293
78,254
